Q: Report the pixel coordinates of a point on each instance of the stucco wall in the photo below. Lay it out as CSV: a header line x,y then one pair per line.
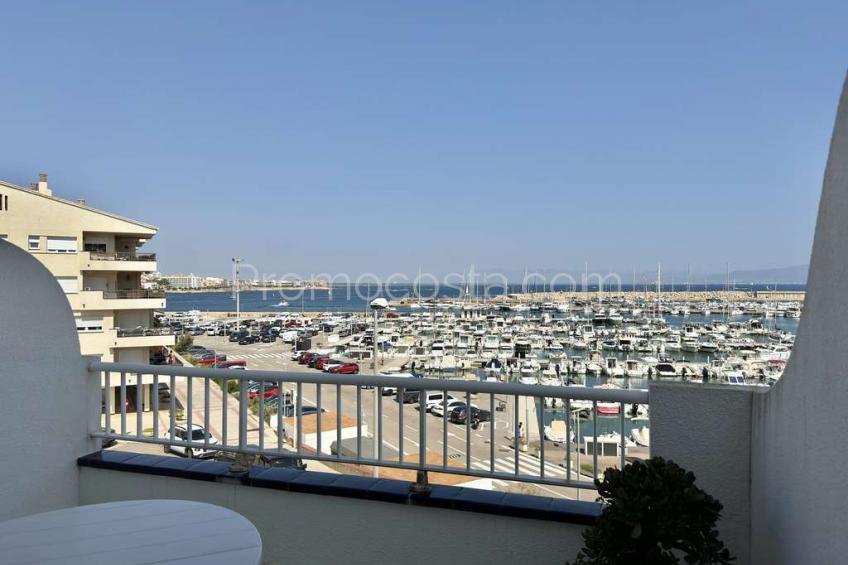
x,y
800,428
45,402
308,528
706,429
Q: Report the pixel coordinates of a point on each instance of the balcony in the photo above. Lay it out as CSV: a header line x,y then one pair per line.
x,y
143,337
136,299
133,294
118,261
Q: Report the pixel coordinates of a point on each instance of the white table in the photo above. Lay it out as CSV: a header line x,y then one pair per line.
x,y
132,532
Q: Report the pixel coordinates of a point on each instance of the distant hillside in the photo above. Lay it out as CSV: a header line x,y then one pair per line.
x,y
795,274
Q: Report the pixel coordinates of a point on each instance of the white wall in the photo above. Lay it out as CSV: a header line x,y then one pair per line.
x,y
800,429
706,429
133,355
46,404
310,529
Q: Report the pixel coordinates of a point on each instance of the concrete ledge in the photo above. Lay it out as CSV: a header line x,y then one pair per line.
x,y
383,490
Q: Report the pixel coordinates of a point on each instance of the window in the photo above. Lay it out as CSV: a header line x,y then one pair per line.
x,y
89,324
61,244
4,202
34,243
70,285
94,247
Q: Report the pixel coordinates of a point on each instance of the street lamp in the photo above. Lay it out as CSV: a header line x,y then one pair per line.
x,y
236,262
376,305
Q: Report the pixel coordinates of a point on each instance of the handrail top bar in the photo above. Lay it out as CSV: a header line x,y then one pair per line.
x,y
639,396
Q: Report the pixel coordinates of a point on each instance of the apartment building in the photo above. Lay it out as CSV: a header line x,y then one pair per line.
x,y
95,258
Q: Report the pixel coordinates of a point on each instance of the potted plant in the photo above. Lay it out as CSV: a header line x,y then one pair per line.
x,y
655,514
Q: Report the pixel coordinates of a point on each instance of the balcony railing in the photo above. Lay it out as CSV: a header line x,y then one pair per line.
x,y
122,256
133,294
494,448
143,332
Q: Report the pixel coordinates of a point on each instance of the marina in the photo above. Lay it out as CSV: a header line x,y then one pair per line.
x,y
612,342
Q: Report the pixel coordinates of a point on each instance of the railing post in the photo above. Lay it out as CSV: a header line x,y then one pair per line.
x,y
243,405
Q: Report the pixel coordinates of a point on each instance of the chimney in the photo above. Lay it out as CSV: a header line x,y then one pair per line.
x,y
81,201
42,185
33,186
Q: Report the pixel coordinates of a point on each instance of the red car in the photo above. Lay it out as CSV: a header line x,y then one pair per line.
x,y
306,358
346,369
253,392
213,361
233,363
323,361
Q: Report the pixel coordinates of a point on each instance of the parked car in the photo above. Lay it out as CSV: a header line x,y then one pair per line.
x,y
344,369
408,397
268,338
289,410
387,390
233,364
306,357
198,434
432,398
248,339
314,360
439,408
332,363
282,459
236,336
458,415
210,361
270,391
324,361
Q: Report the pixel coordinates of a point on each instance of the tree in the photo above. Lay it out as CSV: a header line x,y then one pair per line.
x,y
183,342
655,514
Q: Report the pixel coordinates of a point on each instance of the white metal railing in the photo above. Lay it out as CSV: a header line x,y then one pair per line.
x,y
475,452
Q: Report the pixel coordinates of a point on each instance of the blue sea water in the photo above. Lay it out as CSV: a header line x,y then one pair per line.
x,y
356,299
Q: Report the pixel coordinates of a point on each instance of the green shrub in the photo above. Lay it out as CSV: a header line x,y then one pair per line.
x,y
655,514
183,342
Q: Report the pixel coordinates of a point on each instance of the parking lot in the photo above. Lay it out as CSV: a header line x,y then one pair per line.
x,y
277,356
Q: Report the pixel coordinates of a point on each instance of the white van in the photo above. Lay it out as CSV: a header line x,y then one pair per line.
x,y
434,397
389,390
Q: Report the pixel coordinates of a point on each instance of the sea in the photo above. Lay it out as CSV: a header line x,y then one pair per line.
x,y
350,298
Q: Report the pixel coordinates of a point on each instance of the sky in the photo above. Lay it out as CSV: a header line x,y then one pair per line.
x,y
382,137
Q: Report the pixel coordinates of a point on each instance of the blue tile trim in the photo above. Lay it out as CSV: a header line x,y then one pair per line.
x,y
353,486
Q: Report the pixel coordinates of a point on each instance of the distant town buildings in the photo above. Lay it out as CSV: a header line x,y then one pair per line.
x,y
181,281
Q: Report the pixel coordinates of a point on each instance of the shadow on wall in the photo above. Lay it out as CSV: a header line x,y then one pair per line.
x,y
48,398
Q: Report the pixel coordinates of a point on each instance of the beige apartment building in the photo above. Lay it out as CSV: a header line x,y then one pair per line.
x,y
95,258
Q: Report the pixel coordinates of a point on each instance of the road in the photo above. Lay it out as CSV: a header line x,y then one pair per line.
x,y
401,423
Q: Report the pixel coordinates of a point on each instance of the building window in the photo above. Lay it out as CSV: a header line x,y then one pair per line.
x,y
86,324
34,243
4,202
61,244
94,247
70,285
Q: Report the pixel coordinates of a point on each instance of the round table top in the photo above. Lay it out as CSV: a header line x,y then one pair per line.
x,y
133,532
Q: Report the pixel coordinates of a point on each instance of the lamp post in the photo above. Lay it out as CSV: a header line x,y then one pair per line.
x,y
236,262
376,305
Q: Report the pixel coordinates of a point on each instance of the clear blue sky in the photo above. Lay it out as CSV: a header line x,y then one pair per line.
x,y
380,136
